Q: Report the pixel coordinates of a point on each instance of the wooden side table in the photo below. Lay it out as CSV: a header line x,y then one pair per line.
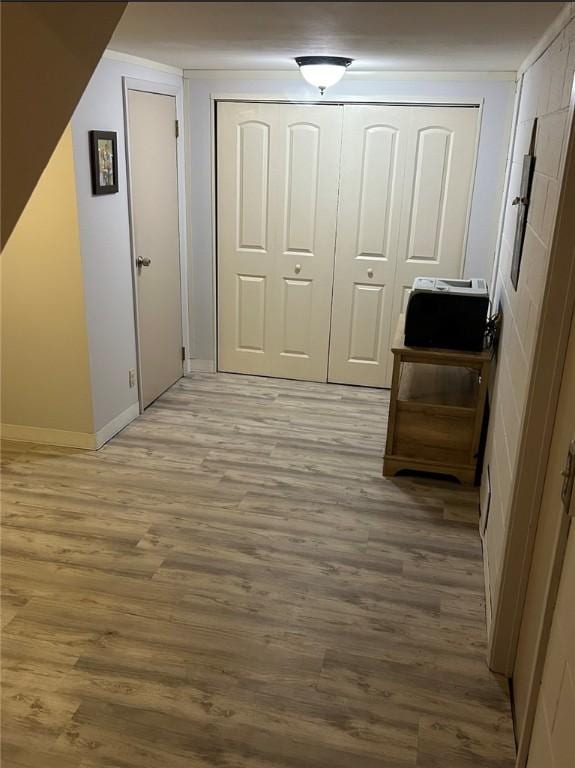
x,y
436,409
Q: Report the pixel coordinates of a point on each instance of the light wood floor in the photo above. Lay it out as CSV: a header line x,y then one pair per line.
x,y
230,582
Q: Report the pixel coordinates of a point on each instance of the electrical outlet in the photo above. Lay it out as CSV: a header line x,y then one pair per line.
x,y
132,377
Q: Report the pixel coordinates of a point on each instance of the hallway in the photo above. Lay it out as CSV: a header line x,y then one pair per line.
x,y
230,582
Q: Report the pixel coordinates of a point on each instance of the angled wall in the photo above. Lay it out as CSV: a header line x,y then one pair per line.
x,y
48,52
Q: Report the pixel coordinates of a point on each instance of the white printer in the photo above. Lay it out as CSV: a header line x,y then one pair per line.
x,y
446,313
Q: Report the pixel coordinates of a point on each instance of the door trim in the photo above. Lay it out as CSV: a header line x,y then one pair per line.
x,y
558,559
407,101
147,86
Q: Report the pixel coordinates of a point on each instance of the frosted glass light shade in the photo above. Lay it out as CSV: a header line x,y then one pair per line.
x,y
322,71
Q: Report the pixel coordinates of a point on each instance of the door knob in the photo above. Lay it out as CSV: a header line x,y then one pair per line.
x,y
297,269
143,261
370,272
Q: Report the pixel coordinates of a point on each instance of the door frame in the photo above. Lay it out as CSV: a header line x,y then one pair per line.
x,y
149,86
557,561
539,415
379,101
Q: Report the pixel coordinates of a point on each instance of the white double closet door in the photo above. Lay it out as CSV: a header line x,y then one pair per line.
x,y
325,216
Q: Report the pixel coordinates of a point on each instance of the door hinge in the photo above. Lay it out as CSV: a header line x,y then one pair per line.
x,y
183,354
568,475
177,128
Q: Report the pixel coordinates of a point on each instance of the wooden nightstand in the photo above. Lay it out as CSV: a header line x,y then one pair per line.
x,y
436,409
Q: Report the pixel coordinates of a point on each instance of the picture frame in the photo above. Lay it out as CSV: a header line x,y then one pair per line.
x,y
522,202
104,162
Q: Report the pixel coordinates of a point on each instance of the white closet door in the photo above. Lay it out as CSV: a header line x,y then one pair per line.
x,y
439,176
245,236
372,172
278,171
309,141
405,187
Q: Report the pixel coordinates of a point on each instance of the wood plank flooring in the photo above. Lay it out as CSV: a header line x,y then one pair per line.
x,y
231,583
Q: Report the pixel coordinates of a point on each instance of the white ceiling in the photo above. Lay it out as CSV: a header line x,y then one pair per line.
x,y
490,36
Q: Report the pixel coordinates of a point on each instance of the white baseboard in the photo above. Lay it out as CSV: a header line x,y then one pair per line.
x,y
487,587
119,422
47,436
193,365
87,440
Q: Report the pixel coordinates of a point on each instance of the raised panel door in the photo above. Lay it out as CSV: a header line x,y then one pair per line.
x,y
437,188
246,203
307,175
372,171
278,168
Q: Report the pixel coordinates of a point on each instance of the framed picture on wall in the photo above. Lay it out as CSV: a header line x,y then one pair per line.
x,y
522,203
104,162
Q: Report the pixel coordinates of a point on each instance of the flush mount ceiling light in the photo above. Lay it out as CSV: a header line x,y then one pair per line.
x,y
322,71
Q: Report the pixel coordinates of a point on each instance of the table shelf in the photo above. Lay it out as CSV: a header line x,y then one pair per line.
x,y
436,410
443,385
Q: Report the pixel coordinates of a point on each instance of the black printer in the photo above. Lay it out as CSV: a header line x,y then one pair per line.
x,y
446,313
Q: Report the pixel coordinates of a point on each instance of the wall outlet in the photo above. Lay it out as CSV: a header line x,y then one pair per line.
x,y
132,377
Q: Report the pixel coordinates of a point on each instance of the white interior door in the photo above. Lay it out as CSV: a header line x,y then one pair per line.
x,y
154,199
371,185
438,182
553,738
406,180
278,168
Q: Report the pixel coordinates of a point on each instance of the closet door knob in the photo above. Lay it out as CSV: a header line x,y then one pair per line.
x,y
297,269
370,272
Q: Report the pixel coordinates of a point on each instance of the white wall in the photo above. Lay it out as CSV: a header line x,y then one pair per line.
x,y
497,95
104,222
545,94
105,241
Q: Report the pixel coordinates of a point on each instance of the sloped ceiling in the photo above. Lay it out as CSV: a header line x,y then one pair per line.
x,y
49,51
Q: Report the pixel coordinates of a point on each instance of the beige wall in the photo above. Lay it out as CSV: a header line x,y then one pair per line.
x,y
545,94
45,368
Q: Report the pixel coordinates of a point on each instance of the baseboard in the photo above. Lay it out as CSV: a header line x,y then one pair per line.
x,y
194,365
47,436
119,422
487,587
90,441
